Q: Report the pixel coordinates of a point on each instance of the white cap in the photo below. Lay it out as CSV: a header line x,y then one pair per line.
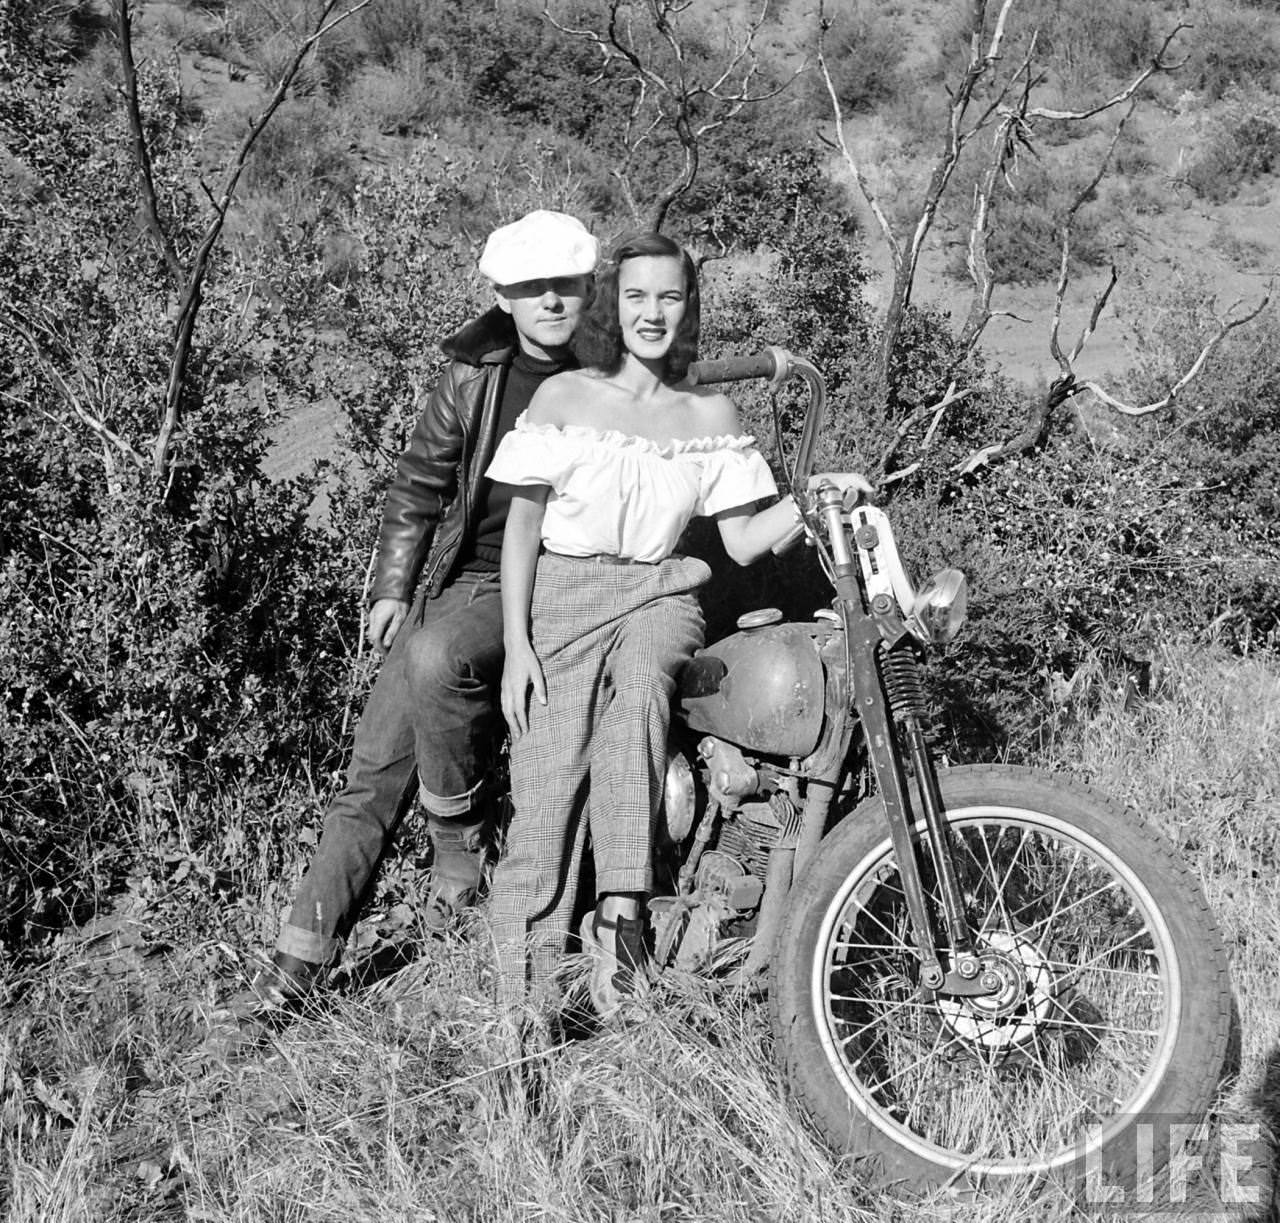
x,y
538,246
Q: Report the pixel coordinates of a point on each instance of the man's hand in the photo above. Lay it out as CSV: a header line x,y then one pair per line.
x,y
521,672
851,484
385,618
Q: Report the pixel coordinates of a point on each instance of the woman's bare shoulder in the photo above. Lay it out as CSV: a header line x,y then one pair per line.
x,y
717,414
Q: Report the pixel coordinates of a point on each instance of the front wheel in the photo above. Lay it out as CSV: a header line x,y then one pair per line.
x,y
1113,1003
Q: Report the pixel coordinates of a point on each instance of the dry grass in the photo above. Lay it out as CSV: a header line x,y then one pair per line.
x,y
410,1102
408,1099
1201,761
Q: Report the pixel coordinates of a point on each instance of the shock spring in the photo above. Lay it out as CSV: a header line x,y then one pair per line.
x,y
903,683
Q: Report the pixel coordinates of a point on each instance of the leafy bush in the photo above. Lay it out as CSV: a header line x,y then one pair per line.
x,y
864,54
163,639
304,150
1231,47
391,28
1222,440
1242,143
1084,45
403,96
1024,244
1083,42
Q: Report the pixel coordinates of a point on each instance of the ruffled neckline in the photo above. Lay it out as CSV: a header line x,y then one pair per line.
x,y
616,439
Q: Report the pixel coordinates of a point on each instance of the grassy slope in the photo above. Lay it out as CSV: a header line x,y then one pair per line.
x,y
403,1101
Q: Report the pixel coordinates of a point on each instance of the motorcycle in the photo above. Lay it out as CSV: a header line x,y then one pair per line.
x,y
975,974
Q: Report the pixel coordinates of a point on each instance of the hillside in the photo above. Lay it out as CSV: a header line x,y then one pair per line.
x,y
1177,232
188,521
1171,236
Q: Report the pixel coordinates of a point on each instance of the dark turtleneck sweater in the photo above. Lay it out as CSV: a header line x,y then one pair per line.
x,y
523,378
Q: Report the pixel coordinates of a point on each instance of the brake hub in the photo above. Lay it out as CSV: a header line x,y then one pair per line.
x,y
1019,1003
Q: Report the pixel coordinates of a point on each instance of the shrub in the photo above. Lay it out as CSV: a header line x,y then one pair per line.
x,y
263,37
304,150
163,641
391,28
54,31
1024,244
1241,143
1083,44
865,53
1231,47
1221,439
403,95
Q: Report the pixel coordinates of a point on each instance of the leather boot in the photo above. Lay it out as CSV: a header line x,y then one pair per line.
x,y
460,850
287,980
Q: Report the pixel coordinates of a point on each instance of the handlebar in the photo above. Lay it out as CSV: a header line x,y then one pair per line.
x,y
737,369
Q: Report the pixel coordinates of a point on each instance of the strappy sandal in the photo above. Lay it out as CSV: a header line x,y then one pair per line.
x,y
618,975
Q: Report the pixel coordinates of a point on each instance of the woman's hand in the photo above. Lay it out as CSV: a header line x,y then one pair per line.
x,y
851,484
521,672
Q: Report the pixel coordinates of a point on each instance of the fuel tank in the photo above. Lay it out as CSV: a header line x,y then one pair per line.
x,y
761,689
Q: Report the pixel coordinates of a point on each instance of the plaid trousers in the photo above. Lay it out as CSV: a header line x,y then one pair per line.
x,y
611,641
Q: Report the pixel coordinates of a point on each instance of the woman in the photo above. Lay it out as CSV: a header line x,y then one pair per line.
x,y
611,461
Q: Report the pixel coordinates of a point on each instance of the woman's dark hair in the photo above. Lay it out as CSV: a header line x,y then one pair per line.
x,y
597,341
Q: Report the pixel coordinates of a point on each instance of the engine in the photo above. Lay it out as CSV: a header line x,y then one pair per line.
x,y
745,814
758,700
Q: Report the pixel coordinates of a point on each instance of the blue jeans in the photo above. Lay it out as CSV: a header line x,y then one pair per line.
x,y
430,725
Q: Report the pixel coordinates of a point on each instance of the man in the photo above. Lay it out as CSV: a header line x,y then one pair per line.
x,y
430,724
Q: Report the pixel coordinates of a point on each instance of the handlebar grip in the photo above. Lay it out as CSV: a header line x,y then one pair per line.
x,y
734,369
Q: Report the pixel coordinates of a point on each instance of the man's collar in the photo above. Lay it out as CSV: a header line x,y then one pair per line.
x,y
491,337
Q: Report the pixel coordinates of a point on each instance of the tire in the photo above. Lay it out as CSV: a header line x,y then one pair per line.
x,y
1115,1008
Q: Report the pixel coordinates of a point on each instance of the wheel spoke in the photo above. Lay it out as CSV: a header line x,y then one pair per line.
x,y
1089,964
893,1010
998,894
1027,931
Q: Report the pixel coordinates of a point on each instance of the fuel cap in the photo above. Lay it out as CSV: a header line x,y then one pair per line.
x,y
760,618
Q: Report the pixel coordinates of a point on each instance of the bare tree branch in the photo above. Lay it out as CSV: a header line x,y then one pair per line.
x,y
1065,363
905,426
26,327
1033,433
675,95
860,177
141,153
905,251
1157,64
1224,328
1012,120
192,294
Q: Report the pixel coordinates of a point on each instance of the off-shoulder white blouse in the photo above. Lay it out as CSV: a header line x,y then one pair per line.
x,y
625,495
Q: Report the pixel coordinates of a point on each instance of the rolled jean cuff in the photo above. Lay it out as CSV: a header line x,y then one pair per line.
x,y
307,945
452,806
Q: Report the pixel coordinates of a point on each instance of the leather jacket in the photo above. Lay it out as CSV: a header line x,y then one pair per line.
x,y
429,507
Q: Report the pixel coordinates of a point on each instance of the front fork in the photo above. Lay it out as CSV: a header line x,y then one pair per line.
x,y
876,682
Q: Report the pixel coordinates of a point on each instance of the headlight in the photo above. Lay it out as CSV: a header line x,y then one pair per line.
x,y
939,609
679,801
